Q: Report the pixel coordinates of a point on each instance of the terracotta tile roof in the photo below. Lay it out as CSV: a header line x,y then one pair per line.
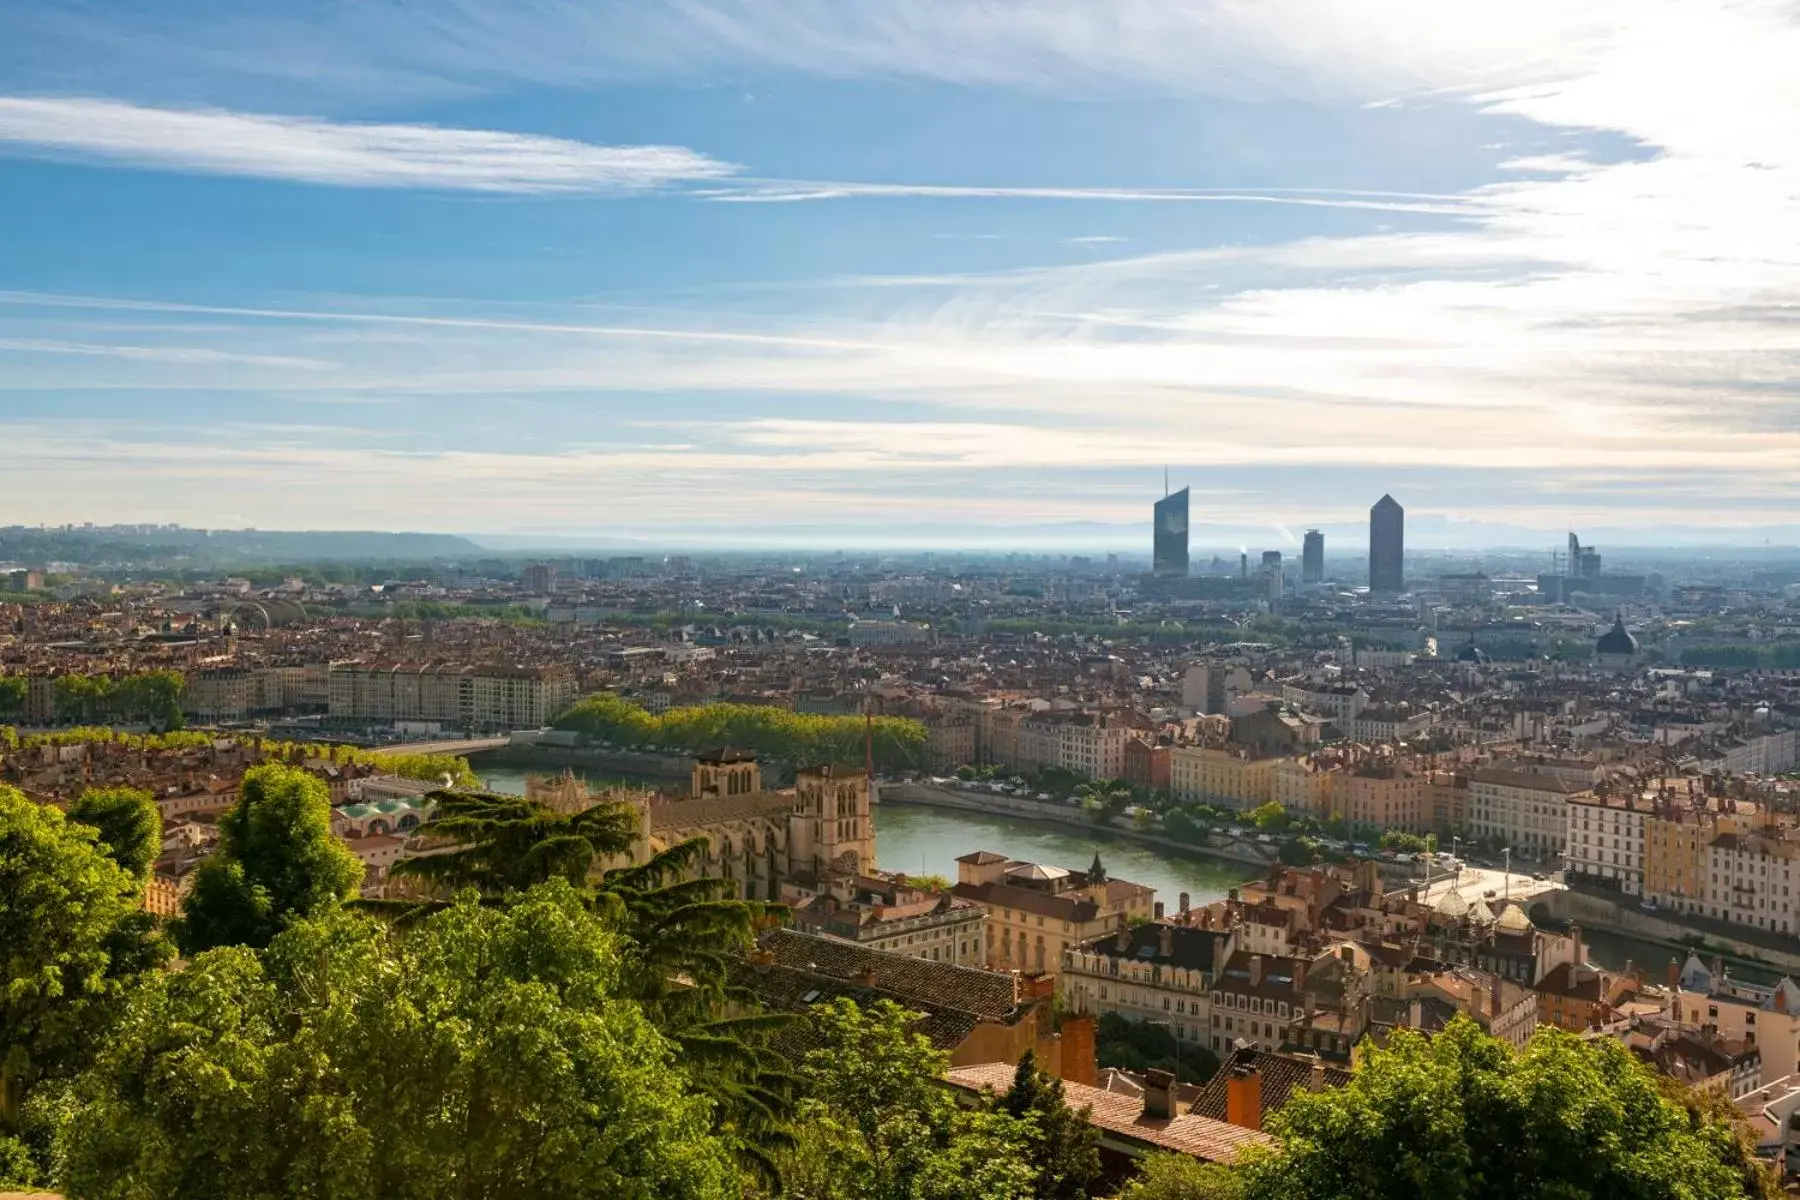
x,y
709,810
795,990
1123,1116
1281,1075
990,995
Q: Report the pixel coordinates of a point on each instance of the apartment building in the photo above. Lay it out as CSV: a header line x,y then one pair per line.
x,y
1217,776
1383,795
1606,841
1161,972
1751,878
217,694
1677,854
1526,810
1339,702
1036,912
1302,786
886,914
461,697
1766,1016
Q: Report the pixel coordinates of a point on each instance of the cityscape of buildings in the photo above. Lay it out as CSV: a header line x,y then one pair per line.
x,y
1436,777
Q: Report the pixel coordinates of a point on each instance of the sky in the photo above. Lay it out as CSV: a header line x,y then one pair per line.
x,y
902,271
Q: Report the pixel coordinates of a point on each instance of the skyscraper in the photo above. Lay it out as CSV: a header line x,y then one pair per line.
x,y
1312,557
1169,555
1387,546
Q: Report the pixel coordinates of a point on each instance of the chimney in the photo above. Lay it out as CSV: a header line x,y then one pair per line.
x,y
1347,954
1078,1042
1159,1095
1674,974
1317,1080
1165,941
1158,911
1184,902
1122,939
1243,1096
1256,968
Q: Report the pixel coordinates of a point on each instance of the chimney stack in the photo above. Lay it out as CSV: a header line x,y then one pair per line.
x,y
1243,1096
1079,1037
1159,1095
1317,1080
1256,970
1184,902
1674,974
1122,939
1165,941
1158,911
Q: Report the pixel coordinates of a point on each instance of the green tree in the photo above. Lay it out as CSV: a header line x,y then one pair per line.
x,y
277,862
1270,817
72,939
13,692
1064,1149
128,824
485,1052
1403,842
498,843
875,1123
681,933
1459,1116
1179,1177
1104,800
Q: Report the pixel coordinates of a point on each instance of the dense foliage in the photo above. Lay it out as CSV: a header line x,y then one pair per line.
x,y
875,1124
127,823
1142,1045
485,1052
1459,1116
801,738
148,696
72,939
277,862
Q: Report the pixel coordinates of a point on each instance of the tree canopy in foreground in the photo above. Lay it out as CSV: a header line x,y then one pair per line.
x,y
1459,1116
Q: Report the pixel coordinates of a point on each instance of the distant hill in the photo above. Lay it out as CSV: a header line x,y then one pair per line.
x,y
167,546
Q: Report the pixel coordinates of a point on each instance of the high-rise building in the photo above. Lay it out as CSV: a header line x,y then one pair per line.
x,y
1170,550
1312,557
1271,569
1584,561
1387,546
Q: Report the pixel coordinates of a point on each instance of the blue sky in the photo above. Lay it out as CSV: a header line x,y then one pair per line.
x,y
901,270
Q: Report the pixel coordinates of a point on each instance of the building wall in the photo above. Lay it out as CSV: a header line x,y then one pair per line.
x,y
1219,777
1606,843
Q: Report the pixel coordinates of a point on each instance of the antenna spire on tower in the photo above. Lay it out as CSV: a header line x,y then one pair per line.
x,y
1165,479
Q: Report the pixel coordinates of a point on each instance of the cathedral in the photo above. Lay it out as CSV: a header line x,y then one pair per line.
x,y
773,843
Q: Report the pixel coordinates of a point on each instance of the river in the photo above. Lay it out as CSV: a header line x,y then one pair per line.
x,y
928,841
919,840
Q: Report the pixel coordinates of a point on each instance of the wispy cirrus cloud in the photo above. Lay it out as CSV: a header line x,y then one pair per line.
x,y
344,154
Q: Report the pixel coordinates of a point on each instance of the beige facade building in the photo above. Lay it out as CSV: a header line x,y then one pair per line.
x,y
481,698
1383,795
1161,972
1036,912
1221,777
1525,810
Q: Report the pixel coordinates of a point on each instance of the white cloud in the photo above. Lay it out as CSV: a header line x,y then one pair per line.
x,y
306,150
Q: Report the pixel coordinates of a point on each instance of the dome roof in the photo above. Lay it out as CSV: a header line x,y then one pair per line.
x,y
1616,640
1471,653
